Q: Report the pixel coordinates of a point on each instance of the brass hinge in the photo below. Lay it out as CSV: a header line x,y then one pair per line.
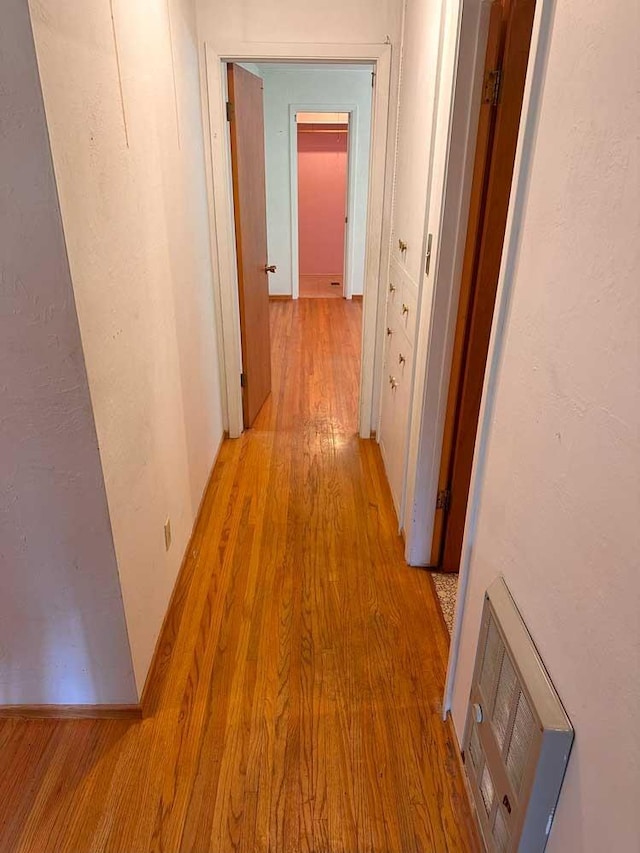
x,y
443,501
243,380
230,114
491,88
427,260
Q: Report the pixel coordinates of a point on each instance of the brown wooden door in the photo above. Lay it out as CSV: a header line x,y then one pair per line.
x,y
508,53
250,212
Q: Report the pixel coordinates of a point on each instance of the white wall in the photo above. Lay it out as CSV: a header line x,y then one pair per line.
x,y
126,136
282,21
63,637
555,501
285,85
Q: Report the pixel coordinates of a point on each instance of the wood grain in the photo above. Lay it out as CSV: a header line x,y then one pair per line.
x,y
114,712
320,286
294,701
246,134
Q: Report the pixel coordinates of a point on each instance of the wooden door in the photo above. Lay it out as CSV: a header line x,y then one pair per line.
x,y
505,69
245,113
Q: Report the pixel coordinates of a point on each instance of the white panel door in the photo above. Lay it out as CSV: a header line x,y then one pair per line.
x,y
416,122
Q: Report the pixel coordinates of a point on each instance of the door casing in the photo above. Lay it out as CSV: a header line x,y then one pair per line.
x,y
222,222
534,87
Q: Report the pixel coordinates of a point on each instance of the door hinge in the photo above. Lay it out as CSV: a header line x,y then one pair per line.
x,y
427,260
443,501
373,79
491,88
230,114
243,380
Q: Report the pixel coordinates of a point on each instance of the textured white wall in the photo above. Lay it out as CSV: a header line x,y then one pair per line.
x,y
313,86
282,21
123,106
558,500
63,637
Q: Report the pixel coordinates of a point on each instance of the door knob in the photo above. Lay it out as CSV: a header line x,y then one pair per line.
x,y
270,268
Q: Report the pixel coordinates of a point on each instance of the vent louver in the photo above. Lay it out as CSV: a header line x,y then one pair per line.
x,y
518,736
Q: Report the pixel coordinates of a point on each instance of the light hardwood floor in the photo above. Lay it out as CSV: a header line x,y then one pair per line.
x,y
320,287
295,701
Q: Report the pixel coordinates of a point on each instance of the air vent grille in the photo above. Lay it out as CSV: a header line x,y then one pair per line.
x,y
501,833
522,736
475,752
507,686
518,745
491,665
487,789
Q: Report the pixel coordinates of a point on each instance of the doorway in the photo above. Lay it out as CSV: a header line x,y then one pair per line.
x,y
375,235
506,60
260,104
314,157
322,172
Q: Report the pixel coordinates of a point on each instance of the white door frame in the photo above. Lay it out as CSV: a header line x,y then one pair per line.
x,y
352,110
221,205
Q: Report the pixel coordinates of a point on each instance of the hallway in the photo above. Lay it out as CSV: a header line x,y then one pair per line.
x,y
294,703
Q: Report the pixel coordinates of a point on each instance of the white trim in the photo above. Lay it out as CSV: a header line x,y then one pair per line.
x,y
206,124
540,38
352,111
221,203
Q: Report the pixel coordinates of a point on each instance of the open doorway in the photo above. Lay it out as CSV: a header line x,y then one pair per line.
x,y
368,251
323,167
292,150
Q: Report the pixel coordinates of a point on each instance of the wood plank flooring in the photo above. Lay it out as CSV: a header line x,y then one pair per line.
x,y
320,287
294,703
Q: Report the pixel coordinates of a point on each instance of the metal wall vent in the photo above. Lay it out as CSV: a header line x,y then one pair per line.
x,y
517,736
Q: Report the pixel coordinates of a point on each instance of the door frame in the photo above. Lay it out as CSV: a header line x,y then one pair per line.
x,y
462,44
352,111
493,176
221,207
534,87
